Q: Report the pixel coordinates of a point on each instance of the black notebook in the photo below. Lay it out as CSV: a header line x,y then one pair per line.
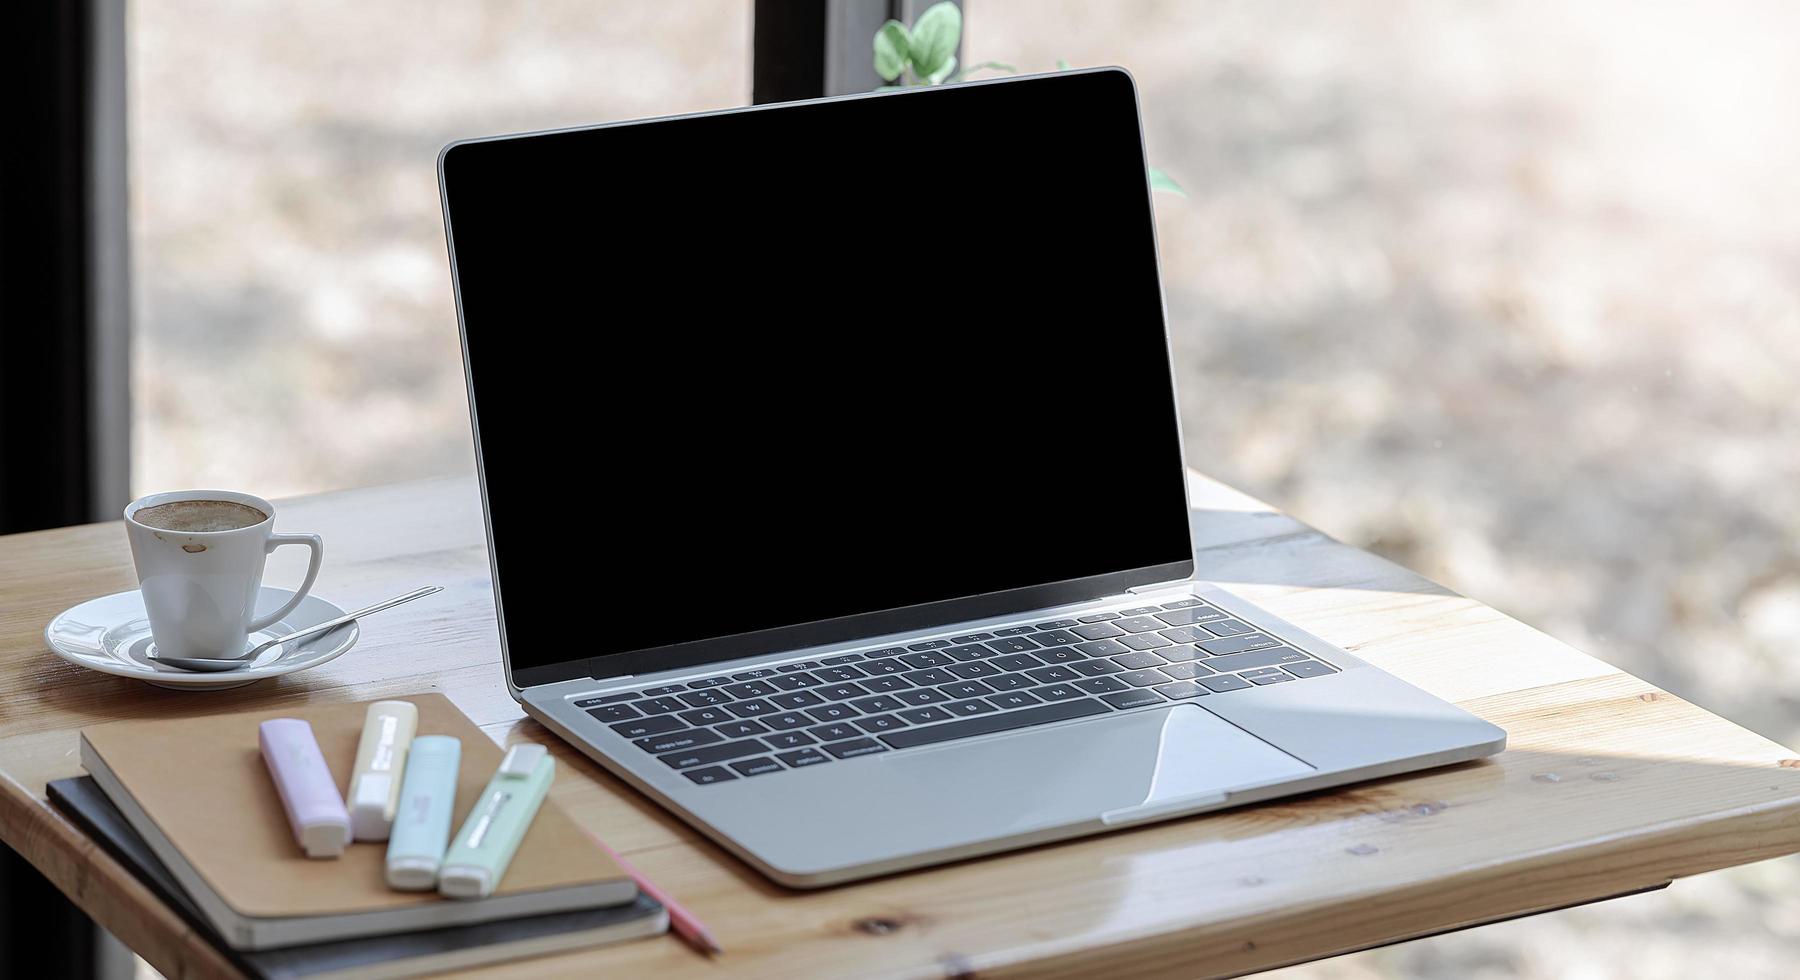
x,y
372,957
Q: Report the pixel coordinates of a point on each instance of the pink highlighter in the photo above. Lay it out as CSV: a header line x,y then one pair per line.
x,y
314,808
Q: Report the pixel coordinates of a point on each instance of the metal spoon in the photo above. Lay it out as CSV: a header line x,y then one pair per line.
x,y
234,663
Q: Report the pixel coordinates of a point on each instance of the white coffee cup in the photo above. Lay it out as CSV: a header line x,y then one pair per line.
x,y
200,587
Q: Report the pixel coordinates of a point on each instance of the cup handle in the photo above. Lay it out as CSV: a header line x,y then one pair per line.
x,y
317,546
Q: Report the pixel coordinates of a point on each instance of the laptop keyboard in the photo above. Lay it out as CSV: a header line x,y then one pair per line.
x,y
816,712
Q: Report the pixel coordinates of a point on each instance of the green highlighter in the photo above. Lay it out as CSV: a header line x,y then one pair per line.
x,y
485,845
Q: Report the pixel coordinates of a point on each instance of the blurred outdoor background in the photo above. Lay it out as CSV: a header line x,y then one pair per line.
x,y
1509,293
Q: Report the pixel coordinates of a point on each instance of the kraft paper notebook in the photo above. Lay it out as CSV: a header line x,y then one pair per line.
x,y
198,793
385,957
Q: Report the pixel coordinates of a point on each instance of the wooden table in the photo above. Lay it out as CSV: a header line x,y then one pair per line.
x,y
1609,786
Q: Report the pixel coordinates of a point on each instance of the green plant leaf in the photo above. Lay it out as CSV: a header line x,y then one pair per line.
x,y
983,66
892,48
943,72
934,37
1160,181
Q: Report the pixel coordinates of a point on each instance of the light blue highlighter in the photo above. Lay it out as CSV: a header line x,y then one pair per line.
x,y
421,831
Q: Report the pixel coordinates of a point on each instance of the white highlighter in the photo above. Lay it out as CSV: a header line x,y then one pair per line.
x,y
380,759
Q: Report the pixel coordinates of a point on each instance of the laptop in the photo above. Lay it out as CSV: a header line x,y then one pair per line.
x,y
834,483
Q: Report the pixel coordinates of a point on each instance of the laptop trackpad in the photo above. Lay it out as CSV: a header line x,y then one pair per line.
x,y
1132,765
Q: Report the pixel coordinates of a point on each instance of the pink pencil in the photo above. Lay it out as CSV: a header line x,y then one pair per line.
x,y
689,928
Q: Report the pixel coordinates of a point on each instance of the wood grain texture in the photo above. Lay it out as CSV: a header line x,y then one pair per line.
x,y
1608,785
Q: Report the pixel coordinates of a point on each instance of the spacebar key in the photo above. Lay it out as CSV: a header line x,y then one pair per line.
x,y
988,724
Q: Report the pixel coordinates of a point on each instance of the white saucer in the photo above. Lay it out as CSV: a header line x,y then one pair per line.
x,y
111,635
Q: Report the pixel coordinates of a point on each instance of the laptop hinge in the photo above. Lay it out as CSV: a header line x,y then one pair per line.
x,y
1156,587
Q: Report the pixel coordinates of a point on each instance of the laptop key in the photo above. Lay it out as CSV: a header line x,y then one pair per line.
x,y
1056,692
758,767
701,699
649,726
926,715
1278,656
1010,682
839,692
966,708
972,671
1057,624
832,712
710,775
924,695
1000,721
1241,643
1102,648
1144,641
1225,682
1229,627
974,651
789,740
1183,604
838,674
1185,671
802,665
966,689
1268,679
1184,652
708,682
835,731
1097,631
754,689
1058,655
1095,668
1012,644
928,645
652,692
971,638
1140,678
882,685
1132,699
885,667
614,712
661,706
1188,617
708,754
794,682
1139,624
1056,638
1014,631
1017,661
1310,668
848,658
796,699
932,677
1103,685
878,704
1182,634
1138,610
740,729
788,719
1138,661
1052,675
1100,617
803,758
705,716
751,708
885,652
1251,675
918,660
879,723
605,699
850,750
1012,699
1180,690
752,675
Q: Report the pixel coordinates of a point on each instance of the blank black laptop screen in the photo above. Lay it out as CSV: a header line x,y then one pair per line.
x,y
770,372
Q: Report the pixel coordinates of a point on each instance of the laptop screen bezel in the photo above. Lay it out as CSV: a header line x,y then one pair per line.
x,y
867,625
